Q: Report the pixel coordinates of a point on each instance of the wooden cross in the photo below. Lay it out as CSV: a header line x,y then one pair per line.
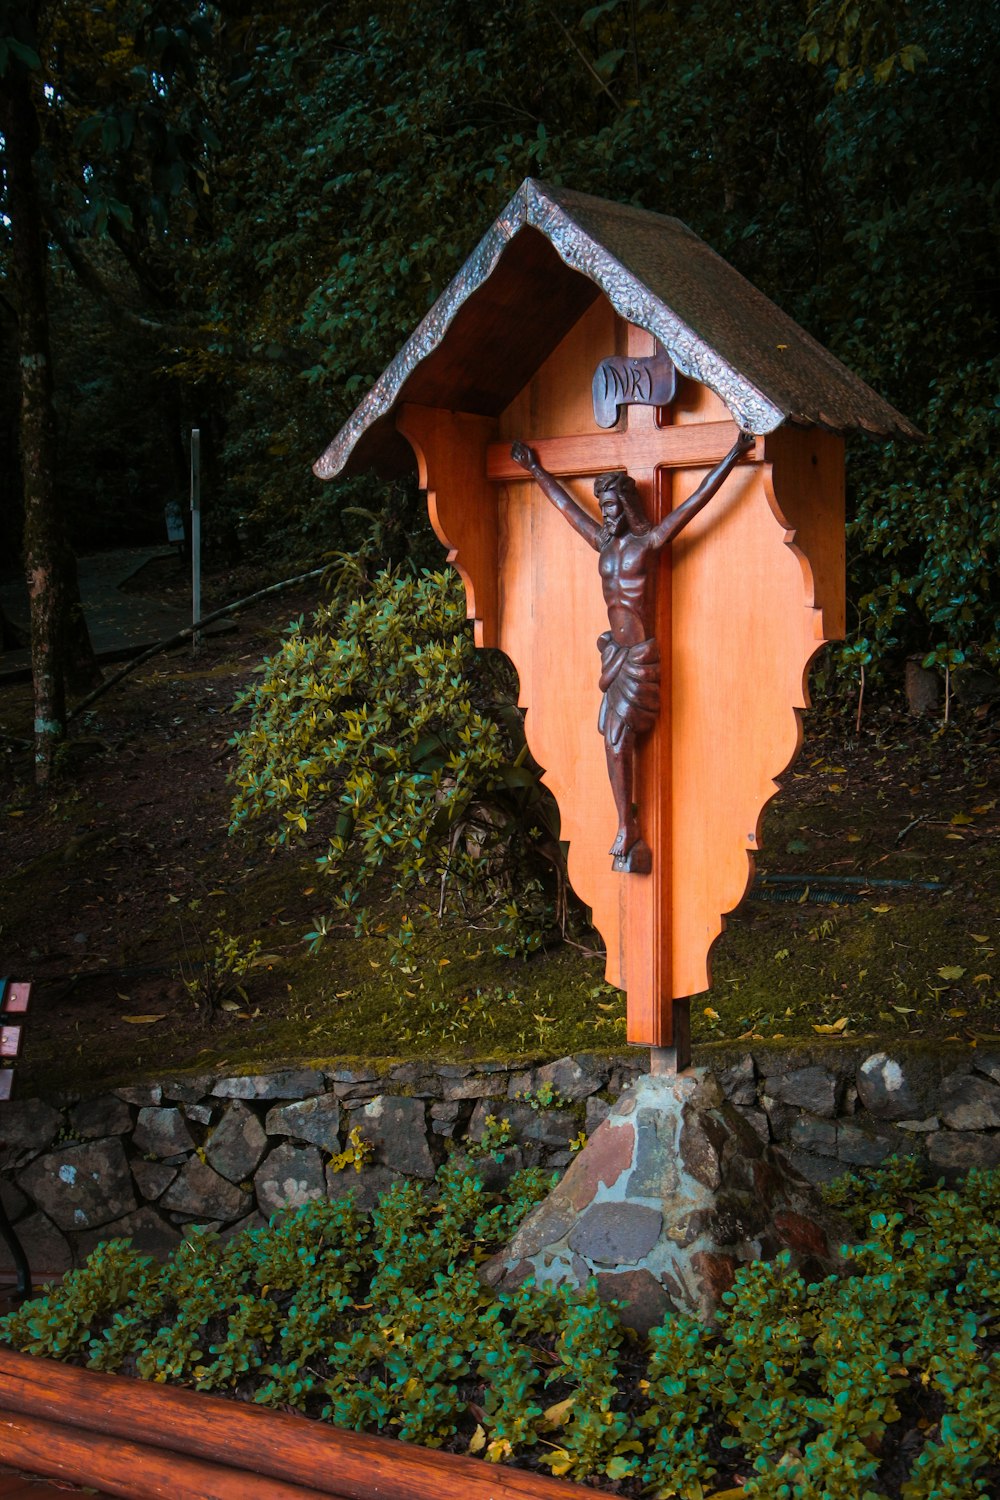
x,y
740,600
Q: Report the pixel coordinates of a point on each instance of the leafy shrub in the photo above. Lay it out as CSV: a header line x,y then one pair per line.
x,y
882,1383
383,726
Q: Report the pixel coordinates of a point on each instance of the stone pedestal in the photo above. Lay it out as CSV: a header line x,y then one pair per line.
x,y
670,1195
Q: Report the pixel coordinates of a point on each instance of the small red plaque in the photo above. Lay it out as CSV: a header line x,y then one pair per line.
x,y
10,1041
17,997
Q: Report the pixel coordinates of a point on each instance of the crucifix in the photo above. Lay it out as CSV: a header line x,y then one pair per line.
x,y
630,654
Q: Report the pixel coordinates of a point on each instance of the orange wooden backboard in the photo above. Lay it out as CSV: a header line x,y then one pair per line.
x,y
747,594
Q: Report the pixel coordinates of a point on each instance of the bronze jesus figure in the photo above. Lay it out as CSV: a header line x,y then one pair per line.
x,y
630,655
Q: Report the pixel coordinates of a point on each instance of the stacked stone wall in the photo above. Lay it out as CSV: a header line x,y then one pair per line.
x,y
153,1160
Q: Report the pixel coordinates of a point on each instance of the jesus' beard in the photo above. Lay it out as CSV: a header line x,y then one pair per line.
x,y
610,530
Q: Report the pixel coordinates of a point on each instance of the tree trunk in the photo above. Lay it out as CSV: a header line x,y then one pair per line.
x,y
47,556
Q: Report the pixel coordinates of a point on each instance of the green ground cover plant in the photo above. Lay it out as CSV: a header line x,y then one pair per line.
x,y
878,1385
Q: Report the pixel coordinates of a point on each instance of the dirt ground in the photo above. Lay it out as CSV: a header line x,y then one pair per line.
x,y
112,886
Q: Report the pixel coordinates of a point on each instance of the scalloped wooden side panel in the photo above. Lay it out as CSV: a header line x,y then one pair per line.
x,y
751,590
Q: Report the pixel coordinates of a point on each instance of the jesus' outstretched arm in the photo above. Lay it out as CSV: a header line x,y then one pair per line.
x,y
710,485
561,499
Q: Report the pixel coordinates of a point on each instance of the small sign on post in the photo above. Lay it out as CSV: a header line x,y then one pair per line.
x,y
195,534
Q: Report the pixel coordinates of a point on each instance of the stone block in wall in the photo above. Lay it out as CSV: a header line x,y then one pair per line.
x,y
861,1147
288,1177
988,1063
314,1120
417,1079
29,1126
48,1251
444,1118
188,1090
571,1078
396,1127
886,1090
780,1117
953,1152
968,1102
624,1071
237,1143
141,1094
612,1234
200,1191
546,1127
162,1131
739,1082
81,1187
290,1083
815,1169
150,1235
476,1086
201,1114
348,1077
366,1186
152,1178
758,1122
595,1110
103,1115
813,1089
809,1133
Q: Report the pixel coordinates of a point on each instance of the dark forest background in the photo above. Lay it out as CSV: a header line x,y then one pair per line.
x,y
244,214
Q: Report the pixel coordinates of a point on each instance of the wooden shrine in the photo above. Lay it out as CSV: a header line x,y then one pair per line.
x,y
604,338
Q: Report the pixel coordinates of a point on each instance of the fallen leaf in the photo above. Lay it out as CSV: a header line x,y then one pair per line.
x,y
951,971
960,820
477,1442
956,1015
904,1010
556,1415
142,1020
834,1029
174,900
983,979
979,937
960,837
881,909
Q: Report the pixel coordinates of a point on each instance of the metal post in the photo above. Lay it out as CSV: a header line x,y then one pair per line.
x,y
195,533
676,1059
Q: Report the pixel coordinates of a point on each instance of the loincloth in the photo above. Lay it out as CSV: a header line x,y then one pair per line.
x,y
630,682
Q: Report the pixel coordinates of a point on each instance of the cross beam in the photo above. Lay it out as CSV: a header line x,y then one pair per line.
x,y
697,445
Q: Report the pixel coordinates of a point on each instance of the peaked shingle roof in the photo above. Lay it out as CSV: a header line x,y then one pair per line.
x,y
546,258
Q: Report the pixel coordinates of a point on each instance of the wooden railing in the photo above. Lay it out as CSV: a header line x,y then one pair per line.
x,y
144,1441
